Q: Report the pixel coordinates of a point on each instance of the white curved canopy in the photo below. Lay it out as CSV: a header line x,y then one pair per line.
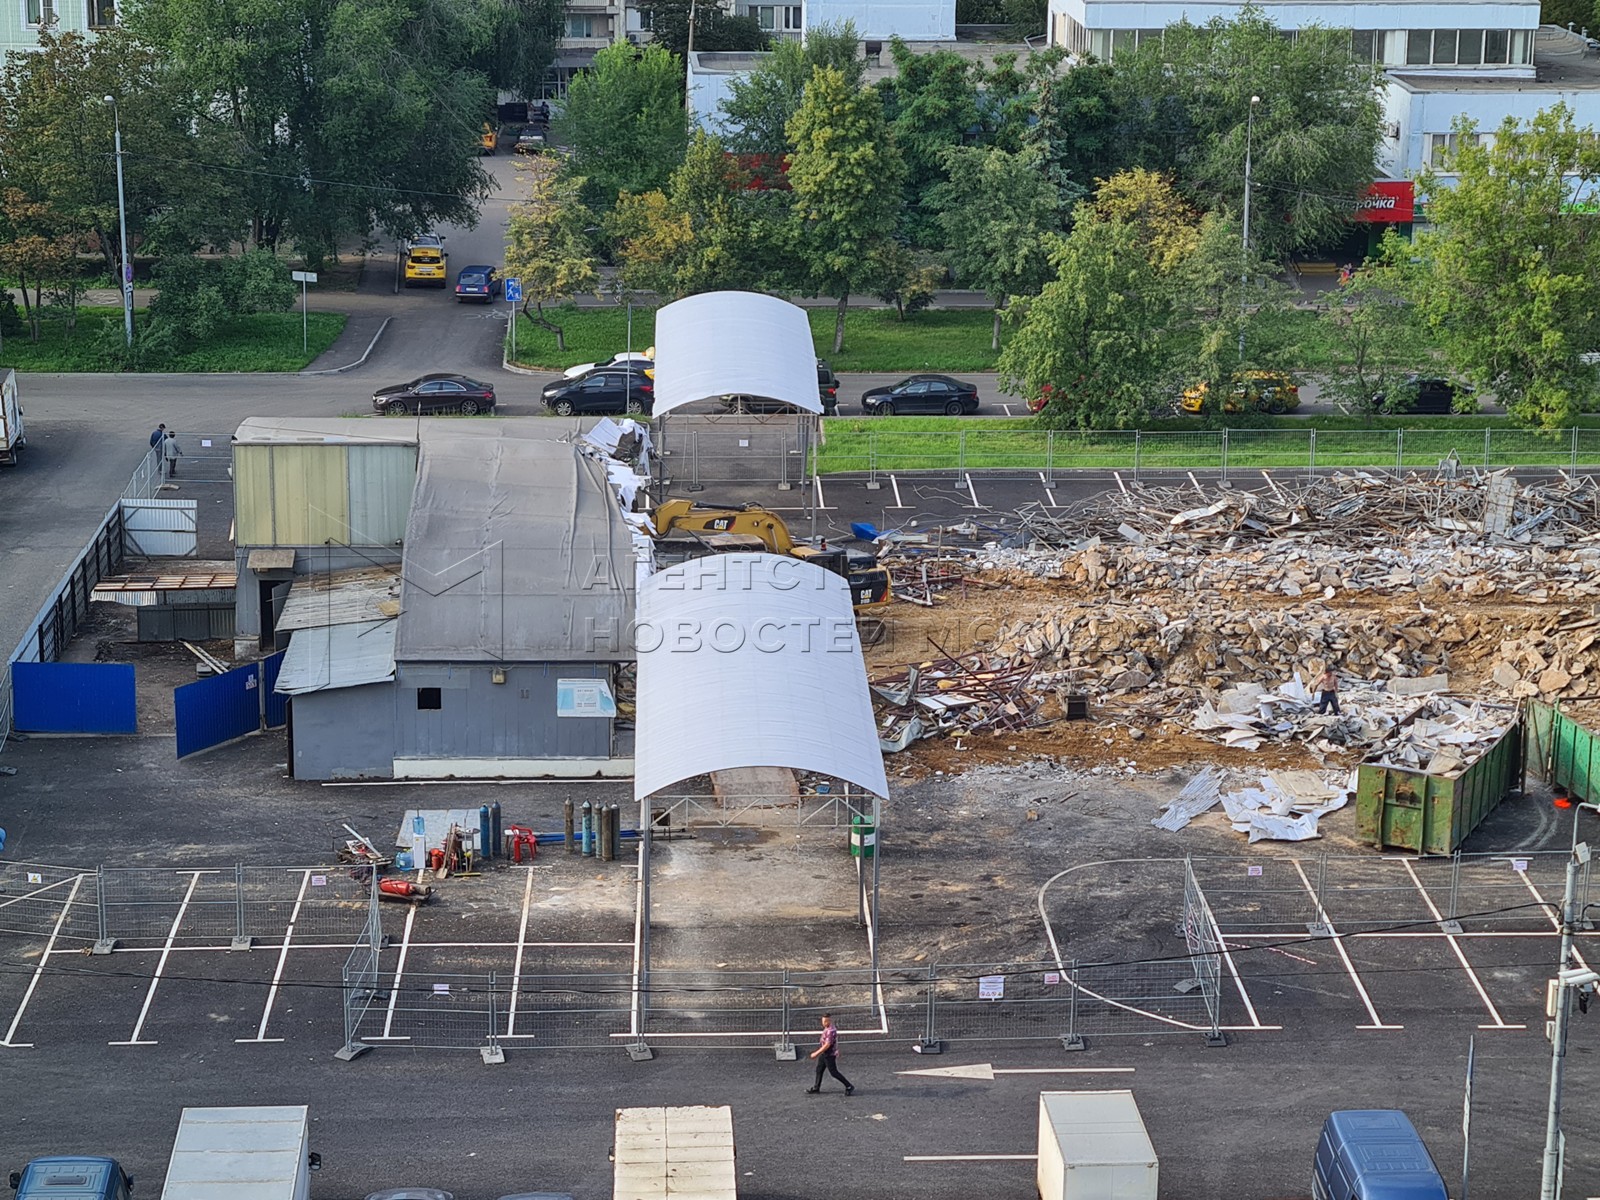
x,y
734,344
751,660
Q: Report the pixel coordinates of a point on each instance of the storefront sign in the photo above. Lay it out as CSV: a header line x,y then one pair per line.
x,y
1391,201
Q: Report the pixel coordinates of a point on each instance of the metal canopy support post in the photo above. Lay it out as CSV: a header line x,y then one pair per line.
x,y
783,1049
639,1050
1554,1142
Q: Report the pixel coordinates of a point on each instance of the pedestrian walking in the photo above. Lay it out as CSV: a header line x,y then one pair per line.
x,y
157,436
1328,691
171,452
827,1056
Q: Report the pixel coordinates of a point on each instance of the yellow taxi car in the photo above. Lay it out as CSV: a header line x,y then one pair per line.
x,y
426,263
1256,391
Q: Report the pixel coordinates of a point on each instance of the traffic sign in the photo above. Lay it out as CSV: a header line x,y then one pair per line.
x,y
513,291
303,276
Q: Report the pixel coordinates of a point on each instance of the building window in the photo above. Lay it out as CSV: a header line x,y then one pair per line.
x,y
1419,47
775,17
1469,51
102,14
430,699
1496,43
1442,148
588,25
1444,47
1521,47
37,13
1364,44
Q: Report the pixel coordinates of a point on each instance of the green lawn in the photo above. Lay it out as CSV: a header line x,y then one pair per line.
x,y
959,443
259,342
874,340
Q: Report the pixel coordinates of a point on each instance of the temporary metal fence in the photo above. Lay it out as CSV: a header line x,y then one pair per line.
x,y
833,809
877,449
1070,1004
1205,949
699,452
210,906
1351,894
360,974
43,901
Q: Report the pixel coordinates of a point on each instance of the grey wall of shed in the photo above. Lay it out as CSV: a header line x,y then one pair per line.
x,y
308,560
344,733
483,719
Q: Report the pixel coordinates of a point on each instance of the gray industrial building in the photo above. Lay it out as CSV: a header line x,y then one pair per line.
x,y
469,625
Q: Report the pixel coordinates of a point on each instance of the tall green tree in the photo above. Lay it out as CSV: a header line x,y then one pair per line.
x,y
547,242
513,42
343,117
756,114
1074,122
1507,277
1380,340
845,172
56,142
931,104
996,212
625,121
1098,340
1313,137
715,28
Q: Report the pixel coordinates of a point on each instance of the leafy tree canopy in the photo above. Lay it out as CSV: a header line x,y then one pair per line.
x,y
755,117
625,121
1506,275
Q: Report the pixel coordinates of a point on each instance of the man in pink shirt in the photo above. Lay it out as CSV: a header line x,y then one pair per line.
x,y
827,1056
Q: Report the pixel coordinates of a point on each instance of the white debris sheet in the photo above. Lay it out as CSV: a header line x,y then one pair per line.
x,y
1282,806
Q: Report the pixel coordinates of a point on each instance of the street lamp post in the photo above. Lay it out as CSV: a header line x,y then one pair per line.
x,y
1244,256
122,222
1550,1181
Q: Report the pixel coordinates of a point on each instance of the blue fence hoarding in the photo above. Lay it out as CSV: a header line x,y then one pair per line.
x,y
56,697
274,708
216,710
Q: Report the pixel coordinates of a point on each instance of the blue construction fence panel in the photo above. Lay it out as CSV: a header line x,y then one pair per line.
x,y
274,708
56,697
216,710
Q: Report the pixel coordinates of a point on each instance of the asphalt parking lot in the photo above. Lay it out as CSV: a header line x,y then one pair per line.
x,y
1377,1017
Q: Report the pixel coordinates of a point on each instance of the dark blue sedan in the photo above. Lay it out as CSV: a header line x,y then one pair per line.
x,y
477,283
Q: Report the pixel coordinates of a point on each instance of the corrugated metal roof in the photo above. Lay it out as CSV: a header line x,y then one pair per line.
x,y
751,660
734,344
342,598
316,431
337,656
515,551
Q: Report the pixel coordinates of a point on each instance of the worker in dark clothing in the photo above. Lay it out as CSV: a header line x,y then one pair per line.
x,y
827,1057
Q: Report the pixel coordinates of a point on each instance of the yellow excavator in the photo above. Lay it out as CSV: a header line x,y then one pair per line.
x,y
687,530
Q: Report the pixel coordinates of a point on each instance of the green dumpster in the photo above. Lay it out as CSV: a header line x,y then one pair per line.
x,y
1400,809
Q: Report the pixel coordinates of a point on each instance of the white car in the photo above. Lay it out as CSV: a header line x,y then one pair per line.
x,y
646,358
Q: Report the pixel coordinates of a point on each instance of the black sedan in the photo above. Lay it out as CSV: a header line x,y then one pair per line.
x,y
922,394
1426,395
436,393
603,390
477,283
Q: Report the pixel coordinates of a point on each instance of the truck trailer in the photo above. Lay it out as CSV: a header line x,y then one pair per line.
x,y
252,1153
13,437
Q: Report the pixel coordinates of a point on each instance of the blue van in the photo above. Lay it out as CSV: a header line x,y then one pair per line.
x,y
76,1178
1374,1154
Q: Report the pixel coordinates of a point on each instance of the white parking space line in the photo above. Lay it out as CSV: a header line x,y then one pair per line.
x,y
1338,944
399,970
1049,492
822,501
1494,1013
16,1020
973,492
895,484
516,968
1550,911
161,963
970,1158
283,957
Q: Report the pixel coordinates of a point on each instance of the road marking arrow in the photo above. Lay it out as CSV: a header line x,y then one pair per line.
x,y
987,1071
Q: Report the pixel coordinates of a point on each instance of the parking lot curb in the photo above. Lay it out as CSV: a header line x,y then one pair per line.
x,y
365,354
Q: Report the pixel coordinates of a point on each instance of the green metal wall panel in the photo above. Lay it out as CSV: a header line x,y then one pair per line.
x,y
1563,753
